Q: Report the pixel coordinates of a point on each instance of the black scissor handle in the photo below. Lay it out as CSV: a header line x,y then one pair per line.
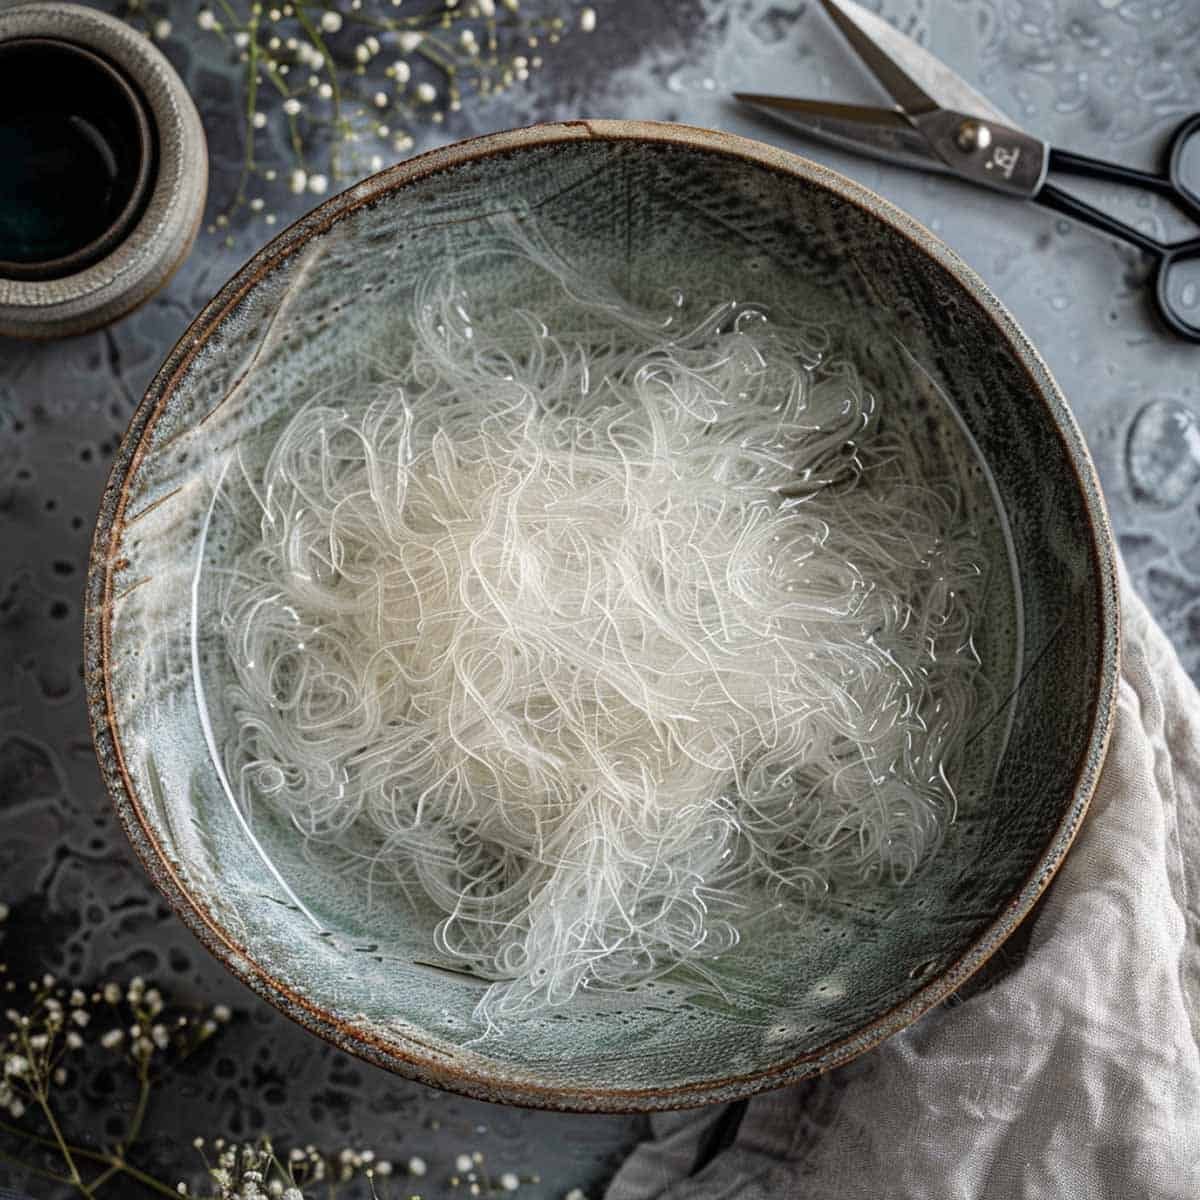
x,y
1177,288
1183,165
1177,273
1177,277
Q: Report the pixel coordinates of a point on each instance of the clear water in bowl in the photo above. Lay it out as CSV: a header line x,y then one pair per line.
x,y
338,915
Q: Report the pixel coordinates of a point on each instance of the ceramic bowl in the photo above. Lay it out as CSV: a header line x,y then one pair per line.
x,y
638,202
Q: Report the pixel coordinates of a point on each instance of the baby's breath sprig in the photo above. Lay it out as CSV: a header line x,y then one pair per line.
x,y
52,1026
49,1027
352,79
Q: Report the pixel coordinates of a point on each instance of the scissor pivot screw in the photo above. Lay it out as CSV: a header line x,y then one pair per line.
x,y
973,135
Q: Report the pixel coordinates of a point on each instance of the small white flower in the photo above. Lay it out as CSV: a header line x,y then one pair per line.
x,y
298,181
205,19
361,53
74,1041
4,911
402,143
269,218
467,37
331,22
16,1108
487,8
259,120
317,184
256,205
60,1075
81,1017
77,999
576,1194
380,99
417,1166
39,1041
426,93
16,1065
162,29
112,1039
587,20
372,44
241,39
112,994
160,1037
181,1188
275,14
274,44
293,1193
376,163
325,91
409,40
509,1182
291,106
463,1162
383,1167
401,71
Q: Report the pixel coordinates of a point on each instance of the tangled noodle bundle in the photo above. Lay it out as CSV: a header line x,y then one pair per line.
x,y
604,633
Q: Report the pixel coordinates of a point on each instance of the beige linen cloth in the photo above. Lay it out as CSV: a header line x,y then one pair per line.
x,y
1070,1069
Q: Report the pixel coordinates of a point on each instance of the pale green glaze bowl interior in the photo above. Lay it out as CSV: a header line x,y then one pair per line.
x,y
644,205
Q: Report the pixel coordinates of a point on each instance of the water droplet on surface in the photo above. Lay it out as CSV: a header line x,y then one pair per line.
x,y
691,79
1162,453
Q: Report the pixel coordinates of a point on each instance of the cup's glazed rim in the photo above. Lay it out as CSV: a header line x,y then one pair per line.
x,y
405,1055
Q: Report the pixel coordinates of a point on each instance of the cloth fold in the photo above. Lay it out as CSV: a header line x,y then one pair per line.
x,y
1069,1067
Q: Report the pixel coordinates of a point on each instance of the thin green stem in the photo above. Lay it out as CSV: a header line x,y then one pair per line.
x,y
134,1130
432,49
147,1180
64,1149
139,1113
317,40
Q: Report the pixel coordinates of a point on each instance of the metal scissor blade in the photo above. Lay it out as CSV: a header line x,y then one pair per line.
x,y
880,132
916,79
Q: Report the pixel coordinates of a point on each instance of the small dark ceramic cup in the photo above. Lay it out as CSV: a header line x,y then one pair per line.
x,y
78,158
103,170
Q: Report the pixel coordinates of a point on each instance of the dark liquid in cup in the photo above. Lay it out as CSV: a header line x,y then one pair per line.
x,y
75,158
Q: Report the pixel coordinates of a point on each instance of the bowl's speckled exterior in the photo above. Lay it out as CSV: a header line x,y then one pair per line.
x,y
625,198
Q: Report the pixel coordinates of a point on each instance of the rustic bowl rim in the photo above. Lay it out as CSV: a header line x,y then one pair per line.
x,y
406,1056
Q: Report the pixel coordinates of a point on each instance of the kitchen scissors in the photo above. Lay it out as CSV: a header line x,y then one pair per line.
x,y
939,123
